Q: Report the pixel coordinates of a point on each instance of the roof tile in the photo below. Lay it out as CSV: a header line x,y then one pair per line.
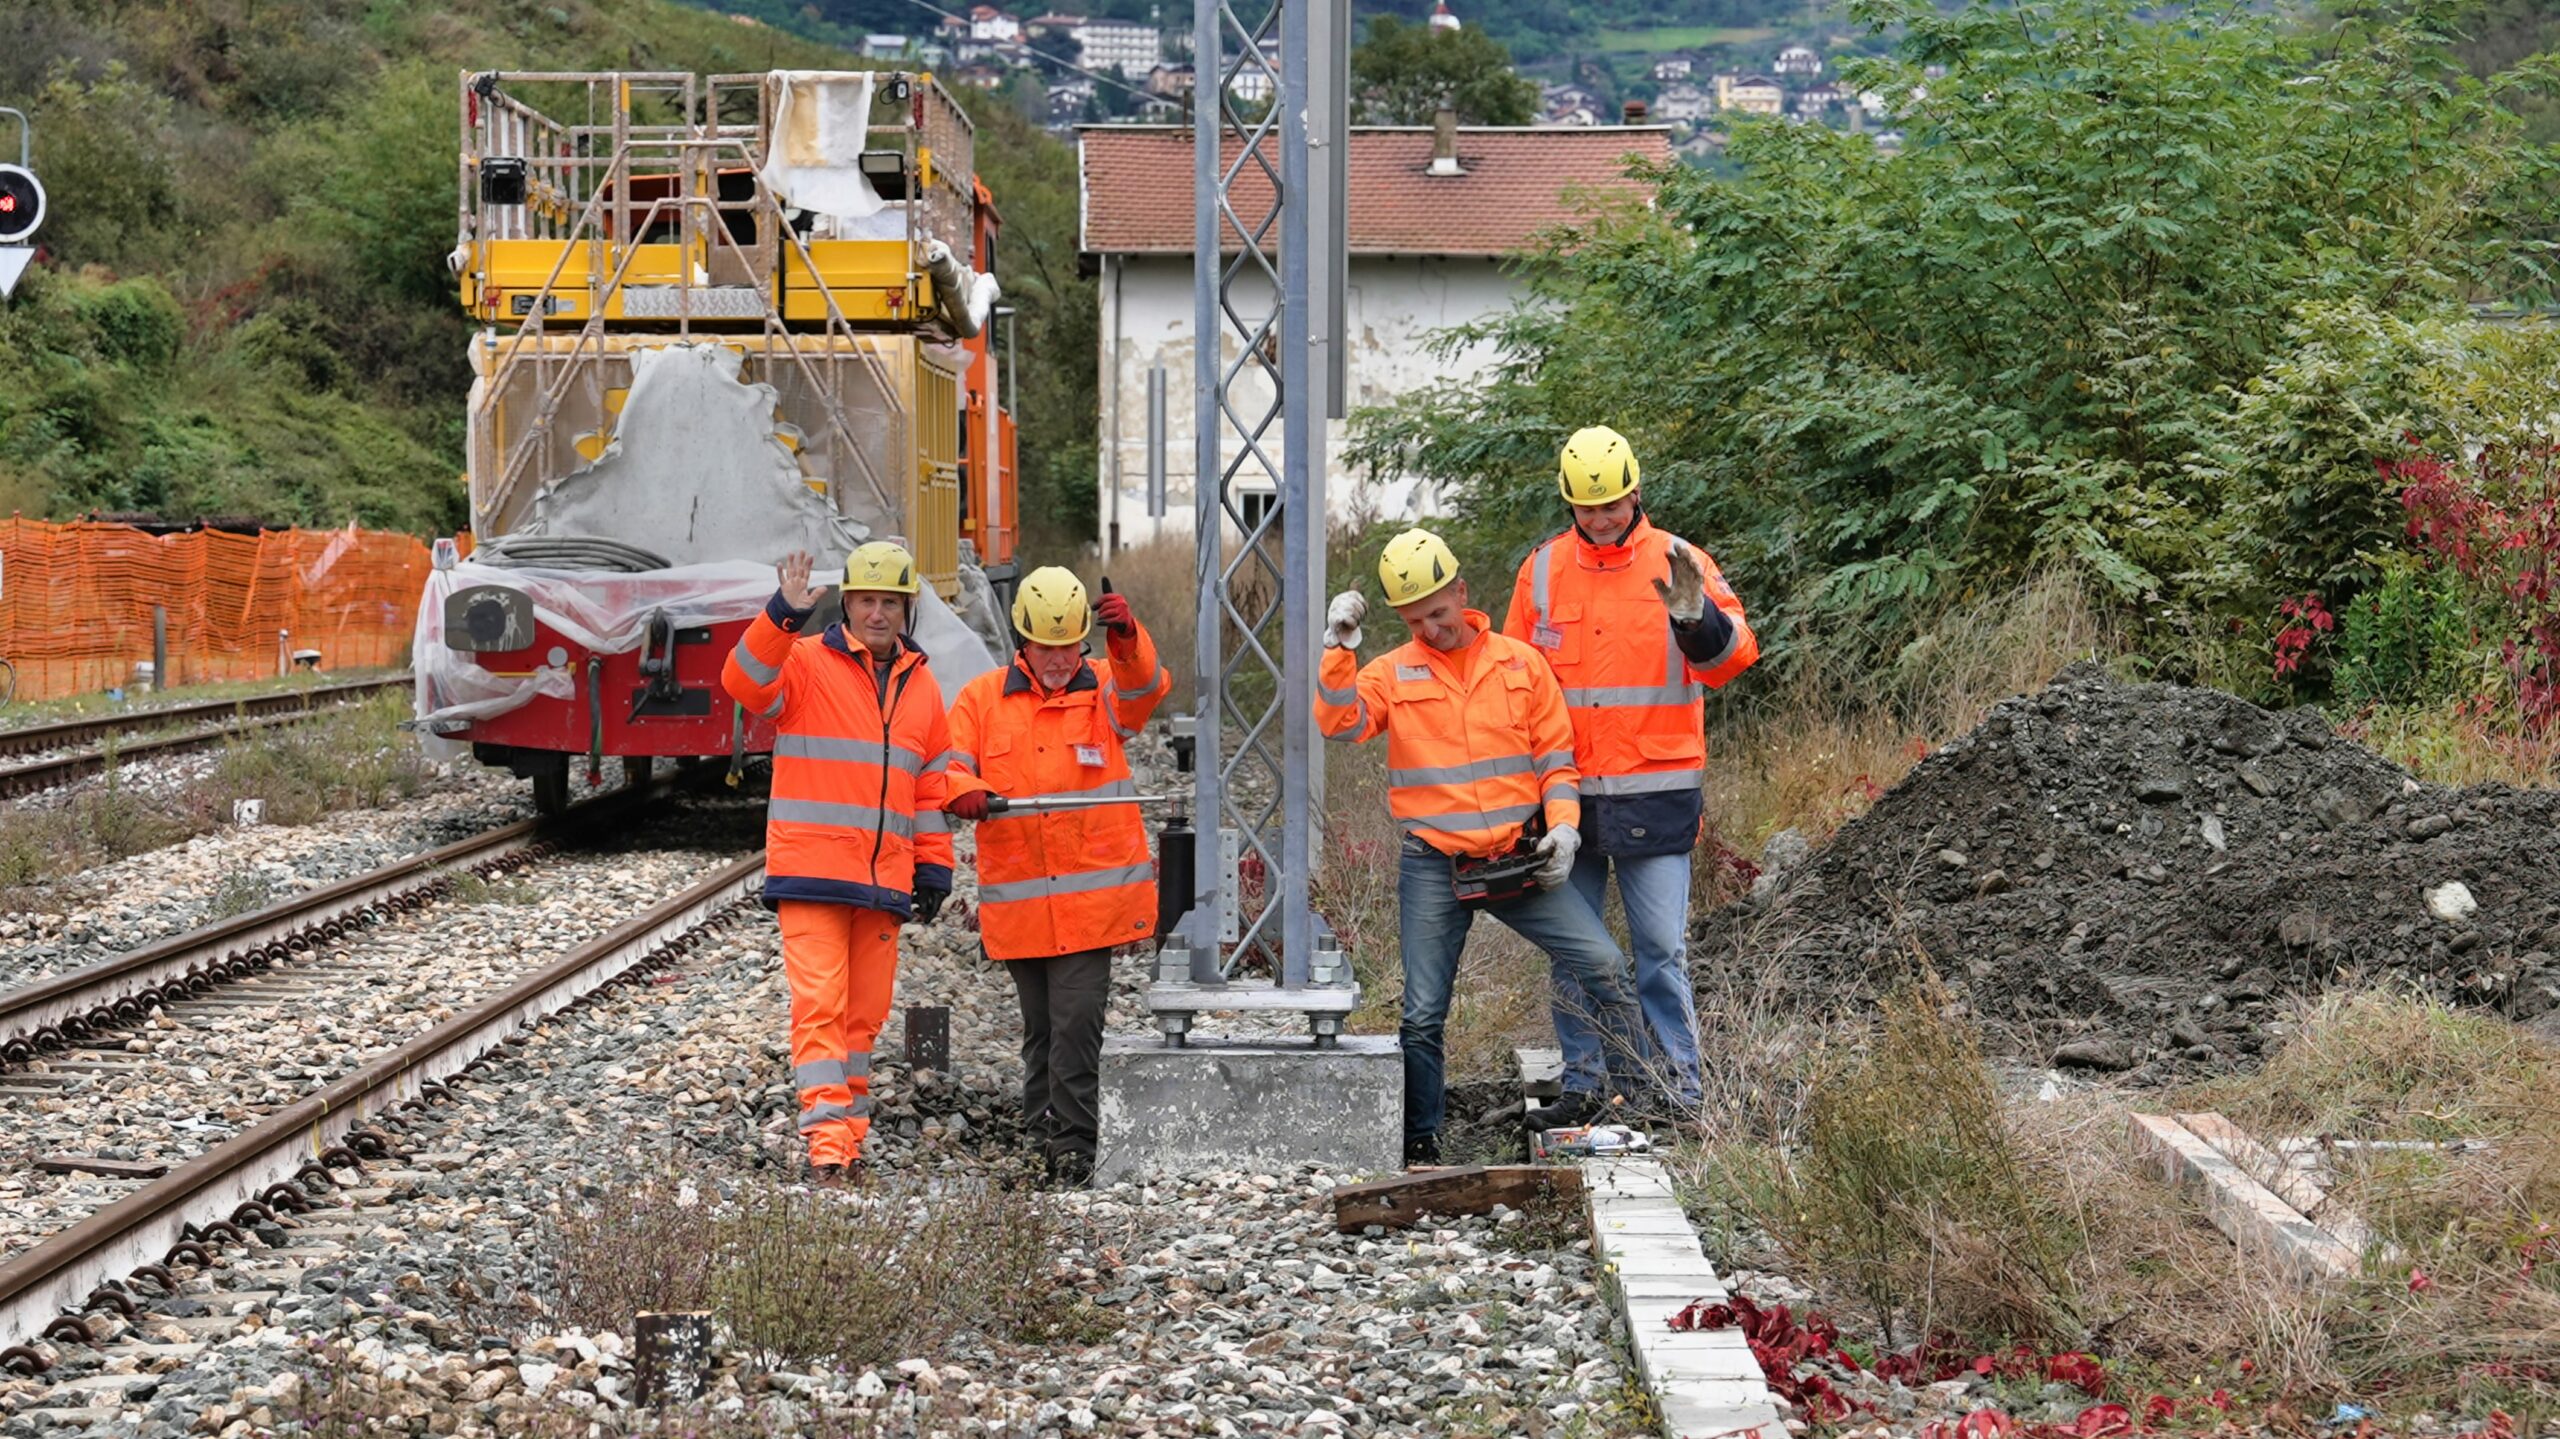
x,y
1518,182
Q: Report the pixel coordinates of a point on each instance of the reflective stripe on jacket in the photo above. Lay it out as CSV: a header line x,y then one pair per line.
x,y
859,765
1061,881
1476,741
1638,706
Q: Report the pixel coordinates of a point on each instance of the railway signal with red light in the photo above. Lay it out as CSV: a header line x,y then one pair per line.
x,y
21,204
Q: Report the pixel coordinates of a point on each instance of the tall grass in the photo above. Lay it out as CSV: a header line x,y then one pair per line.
x,y
348,757
799,1275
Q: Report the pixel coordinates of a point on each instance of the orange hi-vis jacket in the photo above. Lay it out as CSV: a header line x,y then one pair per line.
x,y
1476,741
1638,700
1060,881
859,764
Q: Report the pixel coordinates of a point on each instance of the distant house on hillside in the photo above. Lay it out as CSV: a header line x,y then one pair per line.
x,y
1750,95
1818,102
1567,105
1798,60
1122,45
1436,226
886,47
986,22
980,76
1677,68
1686,103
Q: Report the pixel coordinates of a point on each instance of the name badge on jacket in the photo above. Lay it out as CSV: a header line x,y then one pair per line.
x,y
1547,636
1089,755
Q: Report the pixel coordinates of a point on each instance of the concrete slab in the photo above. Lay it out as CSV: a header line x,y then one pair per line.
x,y
1678,1287
1227,1104
1703,1384
2250,1213
1705,1418
1541,1072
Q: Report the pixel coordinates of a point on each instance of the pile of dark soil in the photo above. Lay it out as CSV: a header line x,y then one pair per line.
x,y
2138,876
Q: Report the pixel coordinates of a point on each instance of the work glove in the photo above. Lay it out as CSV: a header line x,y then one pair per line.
x,y
970,805
1686,593
1559,846
1342,620
928,902
1113,612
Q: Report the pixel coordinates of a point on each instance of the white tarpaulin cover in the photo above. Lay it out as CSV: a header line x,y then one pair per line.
x,y
695,472
608,613
819,127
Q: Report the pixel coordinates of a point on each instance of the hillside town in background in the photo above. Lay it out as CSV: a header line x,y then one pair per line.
x,y
1099,70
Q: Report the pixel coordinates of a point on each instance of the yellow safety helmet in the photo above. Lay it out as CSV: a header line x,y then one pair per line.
x,y
881,565
1597,466
1052,608
1415,565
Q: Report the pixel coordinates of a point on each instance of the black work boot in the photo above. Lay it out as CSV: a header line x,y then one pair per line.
x,y
1422,1149
1569,1110
1070,1169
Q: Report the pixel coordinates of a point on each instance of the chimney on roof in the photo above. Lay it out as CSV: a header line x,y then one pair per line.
x,y
1444,142
1634,112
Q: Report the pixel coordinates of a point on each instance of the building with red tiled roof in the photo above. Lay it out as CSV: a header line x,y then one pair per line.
x,y
1440,219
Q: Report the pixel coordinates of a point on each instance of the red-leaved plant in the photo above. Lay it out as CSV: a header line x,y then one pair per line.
x,y
2494,520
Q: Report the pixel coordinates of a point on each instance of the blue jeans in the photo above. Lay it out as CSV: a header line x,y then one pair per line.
x,y
1434,931
1655,889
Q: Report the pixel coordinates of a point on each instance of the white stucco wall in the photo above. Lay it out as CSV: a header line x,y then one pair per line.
x,y
1393,305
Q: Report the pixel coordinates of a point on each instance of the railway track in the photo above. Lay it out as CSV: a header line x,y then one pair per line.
x,y
234,717
98,998
257,1181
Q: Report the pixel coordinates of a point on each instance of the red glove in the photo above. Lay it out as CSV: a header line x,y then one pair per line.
x,y
971,805
1113,611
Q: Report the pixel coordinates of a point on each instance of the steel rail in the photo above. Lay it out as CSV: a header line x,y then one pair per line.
x,y
44,774
166,1221
124,989
57,733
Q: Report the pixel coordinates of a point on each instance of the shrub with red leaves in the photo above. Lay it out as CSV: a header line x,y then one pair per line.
x,y
2495,522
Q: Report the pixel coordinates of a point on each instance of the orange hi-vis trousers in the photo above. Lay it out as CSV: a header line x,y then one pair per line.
x,y
843,966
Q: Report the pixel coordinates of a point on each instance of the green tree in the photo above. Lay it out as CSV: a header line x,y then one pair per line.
x,y
1402,73
1877,381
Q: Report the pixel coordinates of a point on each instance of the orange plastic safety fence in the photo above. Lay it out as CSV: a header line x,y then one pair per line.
x,y
76,602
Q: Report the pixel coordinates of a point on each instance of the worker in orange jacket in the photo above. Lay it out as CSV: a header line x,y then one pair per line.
x,y
1479,754
1059,889
1638,624
855,839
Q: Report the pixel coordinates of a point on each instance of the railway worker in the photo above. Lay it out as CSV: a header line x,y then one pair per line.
x,y
1637,624
855,841
1478,749
1059,889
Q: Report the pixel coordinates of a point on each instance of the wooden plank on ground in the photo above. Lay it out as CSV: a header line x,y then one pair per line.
x,y
2288,1183
111,1168
2239,1206
1401,1202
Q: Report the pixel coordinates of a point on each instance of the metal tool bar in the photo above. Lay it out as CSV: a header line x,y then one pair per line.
x,y
998,804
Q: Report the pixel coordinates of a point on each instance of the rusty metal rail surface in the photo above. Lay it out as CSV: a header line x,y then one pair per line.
x,y
237,717
202,1204
122,990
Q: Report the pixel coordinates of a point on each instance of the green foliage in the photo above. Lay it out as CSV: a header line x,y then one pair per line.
x,y
1056,325
1402,73
1874,383
2408,637
246,307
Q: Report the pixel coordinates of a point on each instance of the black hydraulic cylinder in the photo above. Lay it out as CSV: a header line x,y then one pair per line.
x,y
1174,860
